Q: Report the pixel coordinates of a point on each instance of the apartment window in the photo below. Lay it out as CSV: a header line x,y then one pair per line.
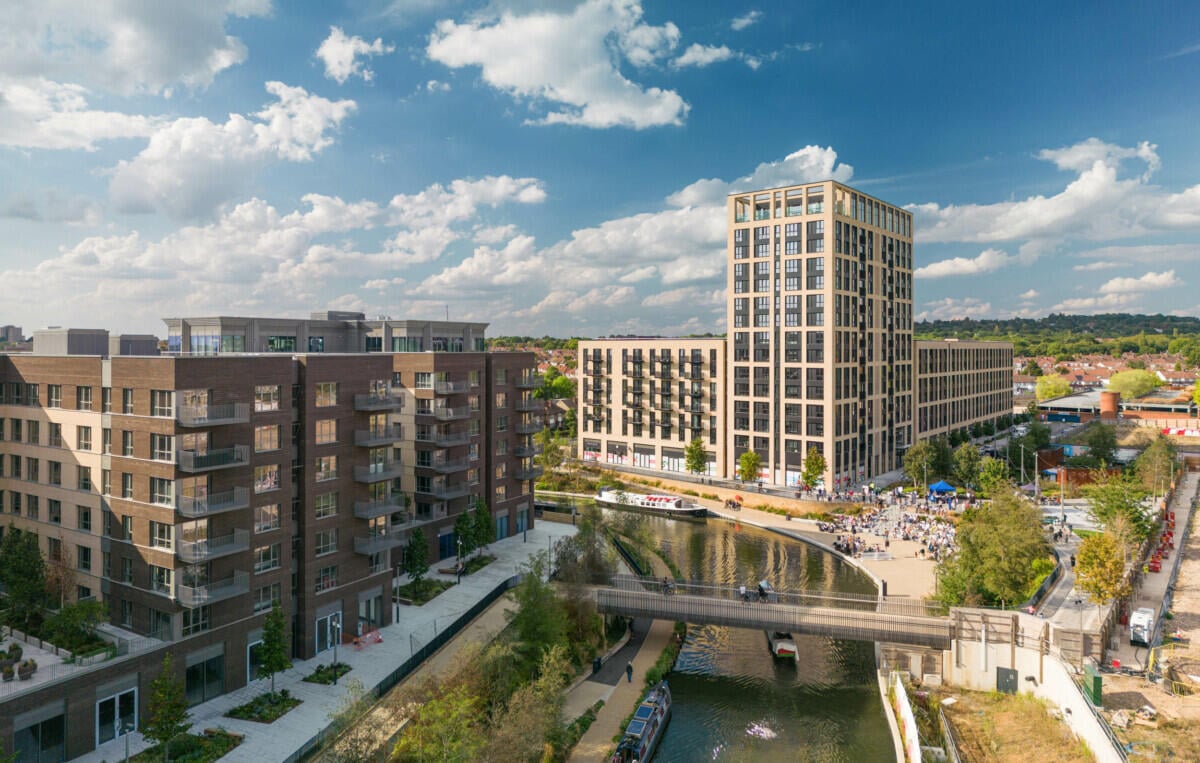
x,y
126,613
106,481
126,570
83,438
83,518
326,431
14,502
83,398
106,441
127,443
325,505
326,394
501,400
54,549
162,447
16,429
196,620
326,542
127,527
162,403
265,597
266,438
501,423
31,506
327,577
502,470
161,535
126,485
32,469
162,491
266,518
83,558
502,493
326,468
266,397
84,475
266,478
473,378
106,399
161,579
54,396
127,401
266,558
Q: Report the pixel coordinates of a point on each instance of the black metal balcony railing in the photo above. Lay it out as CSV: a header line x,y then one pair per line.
x,y
528,473
213,503
530,381
527,451
446,492
381,541
379,401
449,387
449,413
532,404
378,472
533,427
194,551
212,415
216,458
379,507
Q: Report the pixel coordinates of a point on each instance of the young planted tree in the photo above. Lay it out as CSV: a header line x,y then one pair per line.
x,y
966,465
695,458
1115,503
358,731
1134,383
1158,463
997,549
168,708
749,464
416,557
993,476
483,527
23,575
1102,442
1100,568
918,463
539,620
464,532
448,728
273,653
554,451
814,467
1049,387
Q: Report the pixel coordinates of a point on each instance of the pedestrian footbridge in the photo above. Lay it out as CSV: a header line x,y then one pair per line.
x,y
899,620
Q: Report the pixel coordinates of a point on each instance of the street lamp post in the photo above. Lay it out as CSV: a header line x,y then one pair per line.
x,y
1079,603
126,730
337,627
460,561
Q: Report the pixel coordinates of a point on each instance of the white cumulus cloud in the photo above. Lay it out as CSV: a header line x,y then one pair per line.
x,y
746,19
702,55
570,61
986,261
39,113
341,55
950,309
1147,282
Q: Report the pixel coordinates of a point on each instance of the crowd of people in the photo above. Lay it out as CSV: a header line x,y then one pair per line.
x,y
934,533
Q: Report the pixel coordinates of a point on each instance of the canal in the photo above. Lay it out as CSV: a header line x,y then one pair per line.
x,y
733,701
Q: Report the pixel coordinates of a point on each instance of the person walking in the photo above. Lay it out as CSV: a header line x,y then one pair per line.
x,y
629,671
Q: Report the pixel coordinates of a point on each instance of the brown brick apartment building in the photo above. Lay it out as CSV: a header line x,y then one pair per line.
x,y
191,491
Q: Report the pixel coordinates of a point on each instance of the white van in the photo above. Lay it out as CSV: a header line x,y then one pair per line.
x,y
1020,430
1141,626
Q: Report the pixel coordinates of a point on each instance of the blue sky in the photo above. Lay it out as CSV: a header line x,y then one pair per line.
x,y
561,167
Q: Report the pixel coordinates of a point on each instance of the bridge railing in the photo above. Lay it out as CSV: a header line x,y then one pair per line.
x,y
891,605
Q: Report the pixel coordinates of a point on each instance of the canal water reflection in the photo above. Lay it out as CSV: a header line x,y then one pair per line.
x,y
733,700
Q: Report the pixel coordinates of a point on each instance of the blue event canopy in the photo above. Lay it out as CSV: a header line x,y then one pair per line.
x,y
941,486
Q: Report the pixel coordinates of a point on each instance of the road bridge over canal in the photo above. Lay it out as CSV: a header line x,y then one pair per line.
x,y
898,620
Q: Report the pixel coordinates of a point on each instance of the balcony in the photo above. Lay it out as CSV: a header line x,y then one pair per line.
x,y
216,458
527,451
213,503
450,439
636,372
390,504
370,438
378,401
381,541
533,427
193,551
448,465
447,492
532,404
452,414
533,381
212,415
449,387
197,596
378,472
528,473
664,404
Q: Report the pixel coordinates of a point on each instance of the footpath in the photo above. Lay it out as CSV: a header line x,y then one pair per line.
x,y
413,628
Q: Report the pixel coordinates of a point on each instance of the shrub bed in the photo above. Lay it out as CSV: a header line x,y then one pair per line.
x,y
265,708
420,592
212,745
324,674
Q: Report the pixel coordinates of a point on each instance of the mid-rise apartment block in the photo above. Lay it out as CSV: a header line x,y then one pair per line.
x,y
961,383
819,352
643,400
190,491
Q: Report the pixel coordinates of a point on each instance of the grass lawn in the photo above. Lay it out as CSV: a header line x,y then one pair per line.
x,y
421,591
324,674
999,728
265,708
212,745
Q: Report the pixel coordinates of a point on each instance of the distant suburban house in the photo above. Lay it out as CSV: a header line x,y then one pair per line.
x,y
1024,385
1178,378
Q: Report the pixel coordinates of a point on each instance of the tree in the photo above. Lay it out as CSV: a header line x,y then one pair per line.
x,y
1031,368
168,707
571,424
997,551
533,714
695,458
464,533
1196,394
943,456
814,467
918,463
1157,463
553,449
966,465
1051,386
416,557
1102,442
60,576
74,625
1115,502
23,575
993,476
483,527
749,465
1134,383
447,729
538,621
273,653
357,730
1100,568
